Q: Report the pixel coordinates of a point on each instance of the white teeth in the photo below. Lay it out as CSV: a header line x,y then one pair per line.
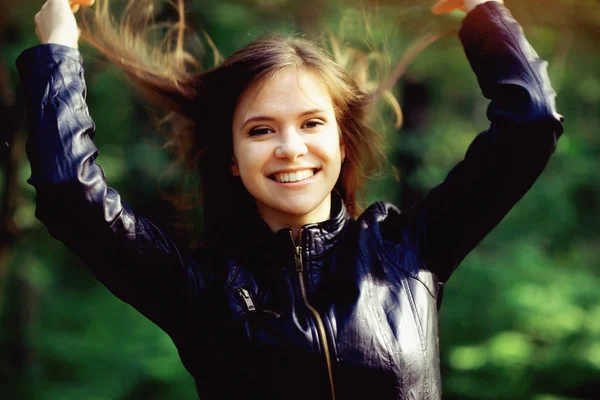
x,y
294,176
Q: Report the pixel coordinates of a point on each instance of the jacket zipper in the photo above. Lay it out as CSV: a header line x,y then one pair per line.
x,y
320,325
245,295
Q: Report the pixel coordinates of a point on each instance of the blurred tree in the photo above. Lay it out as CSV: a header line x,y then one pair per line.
x,y
18,302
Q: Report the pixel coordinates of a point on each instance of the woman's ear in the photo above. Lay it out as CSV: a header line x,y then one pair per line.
x,y
235,171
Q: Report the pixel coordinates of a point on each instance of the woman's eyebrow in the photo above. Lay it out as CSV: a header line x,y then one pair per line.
x,y
257,118
265,118
313,111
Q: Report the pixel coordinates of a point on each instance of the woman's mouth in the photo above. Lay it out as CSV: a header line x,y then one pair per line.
x,y
297,176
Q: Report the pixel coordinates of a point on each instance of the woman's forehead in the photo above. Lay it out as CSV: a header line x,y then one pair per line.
x,y
288,91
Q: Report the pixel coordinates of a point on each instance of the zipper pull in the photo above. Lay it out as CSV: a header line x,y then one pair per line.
x,y
298,259
298,251
245,295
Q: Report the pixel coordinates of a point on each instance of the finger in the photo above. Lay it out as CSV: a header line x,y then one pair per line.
x,y
83,3
445,6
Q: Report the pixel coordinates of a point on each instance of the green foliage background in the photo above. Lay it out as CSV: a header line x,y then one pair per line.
x,y
521,316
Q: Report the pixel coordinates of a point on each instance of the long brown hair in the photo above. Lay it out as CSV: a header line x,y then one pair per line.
x,y
200,104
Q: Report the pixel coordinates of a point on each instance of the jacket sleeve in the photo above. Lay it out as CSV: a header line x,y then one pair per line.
x,y
126,252
502,163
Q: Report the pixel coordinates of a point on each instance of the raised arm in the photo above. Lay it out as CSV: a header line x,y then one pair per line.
x,y
125,251
503,162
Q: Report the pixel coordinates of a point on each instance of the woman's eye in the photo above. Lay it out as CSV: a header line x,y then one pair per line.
x,y
260,131
313,123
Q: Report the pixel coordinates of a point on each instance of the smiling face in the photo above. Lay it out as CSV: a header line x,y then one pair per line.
x,y
287,148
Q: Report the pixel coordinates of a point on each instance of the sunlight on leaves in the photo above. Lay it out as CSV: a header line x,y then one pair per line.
x,y
468,357
509,349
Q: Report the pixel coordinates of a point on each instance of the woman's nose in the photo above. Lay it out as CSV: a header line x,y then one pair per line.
x,y
291,145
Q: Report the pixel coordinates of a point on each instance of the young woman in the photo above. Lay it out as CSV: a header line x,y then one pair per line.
x,y
295,293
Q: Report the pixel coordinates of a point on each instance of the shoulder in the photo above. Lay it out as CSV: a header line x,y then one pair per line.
x,y
391,236
390,224
379,212
380,217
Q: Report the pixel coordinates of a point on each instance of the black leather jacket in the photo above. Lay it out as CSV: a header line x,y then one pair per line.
x,y
351,307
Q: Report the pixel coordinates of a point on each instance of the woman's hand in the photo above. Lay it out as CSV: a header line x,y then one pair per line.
x,y
55,22
444,6
75,4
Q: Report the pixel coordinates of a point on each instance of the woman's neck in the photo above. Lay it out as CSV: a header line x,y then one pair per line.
x,y
281,220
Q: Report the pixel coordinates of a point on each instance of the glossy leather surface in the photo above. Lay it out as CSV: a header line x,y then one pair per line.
x,y
240,324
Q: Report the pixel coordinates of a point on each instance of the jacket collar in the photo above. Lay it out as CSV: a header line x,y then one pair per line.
x,y
317,238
